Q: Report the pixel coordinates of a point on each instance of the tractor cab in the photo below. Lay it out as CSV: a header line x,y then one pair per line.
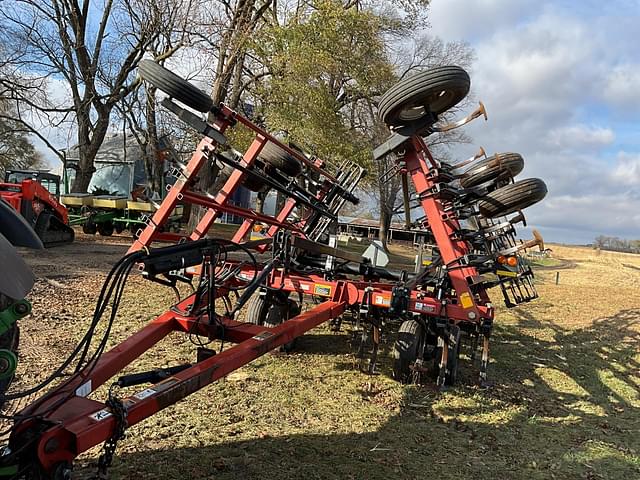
x,y
48,180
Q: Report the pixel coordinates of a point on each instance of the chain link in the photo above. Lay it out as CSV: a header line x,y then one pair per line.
x,y
108,449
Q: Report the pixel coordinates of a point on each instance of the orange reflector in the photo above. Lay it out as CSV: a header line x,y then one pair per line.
x,y
512,261
257,228
502,259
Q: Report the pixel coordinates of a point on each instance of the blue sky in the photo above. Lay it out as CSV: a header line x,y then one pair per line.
x,y
561,82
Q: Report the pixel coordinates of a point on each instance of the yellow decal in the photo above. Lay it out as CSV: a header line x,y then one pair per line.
x,y
322,290
506,273
465,300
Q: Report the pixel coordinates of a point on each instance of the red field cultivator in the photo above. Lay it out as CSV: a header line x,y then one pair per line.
x,y
464,211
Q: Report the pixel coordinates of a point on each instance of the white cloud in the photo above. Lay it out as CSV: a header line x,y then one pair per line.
x,y
562,218
555,89
627,171
461,19
538,67
580,137
623,87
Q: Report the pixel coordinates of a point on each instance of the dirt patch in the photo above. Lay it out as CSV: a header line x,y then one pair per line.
x,y
88,254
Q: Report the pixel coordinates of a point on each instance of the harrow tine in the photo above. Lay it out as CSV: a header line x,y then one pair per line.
x,y
478,112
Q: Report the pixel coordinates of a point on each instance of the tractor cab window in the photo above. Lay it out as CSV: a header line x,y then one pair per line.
x,y
112,179
51,186
18,177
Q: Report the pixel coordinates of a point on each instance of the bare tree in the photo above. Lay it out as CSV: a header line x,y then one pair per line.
x,y
138,111
16,148
223,30
86,56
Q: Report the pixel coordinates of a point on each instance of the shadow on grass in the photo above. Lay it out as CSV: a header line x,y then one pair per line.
x,y
565,405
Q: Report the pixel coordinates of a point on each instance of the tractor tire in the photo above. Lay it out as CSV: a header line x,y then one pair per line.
x,y
254,183
435,91
175,86
406,349
89,228
513,197
275,156
257,307
221,178
500,164
105,229
453,358
279,313
250,182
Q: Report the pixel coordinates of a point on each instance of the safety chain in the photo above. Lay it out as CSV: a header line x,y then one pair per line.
x,y
108,449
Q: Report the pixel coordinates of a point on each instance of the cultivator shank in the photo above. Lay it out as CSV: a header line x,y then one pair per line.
x,y
439,306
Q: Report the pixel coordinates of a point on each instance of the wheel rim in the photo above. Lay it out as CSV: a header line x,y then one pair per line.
x,y
435,102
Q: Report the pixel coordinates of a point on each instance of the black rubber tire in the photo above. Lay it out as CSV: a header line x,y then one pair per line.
x,y
405,350
105,229
257,307
175,86
223,175
250,182
275,156
435,90
491,168
279,313
254,183
89,227
513,197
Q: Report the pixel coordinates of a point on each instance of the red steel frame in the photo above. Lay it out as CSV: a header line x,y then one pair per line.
x,y
79,423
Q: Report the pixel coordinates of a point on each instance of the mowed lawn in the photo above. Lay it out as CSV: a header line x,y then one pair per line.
x,y
564,404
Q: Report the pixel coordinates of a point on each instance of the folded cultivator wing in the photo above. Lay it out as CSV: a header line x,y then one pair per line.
x,y
464,212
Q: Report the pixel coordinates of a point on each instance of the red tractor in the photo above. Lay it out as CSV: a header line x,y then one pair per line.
x,y
35,195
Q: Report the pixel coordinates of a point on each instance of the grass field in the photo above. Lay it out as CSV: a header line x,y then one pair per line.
x,y
564,404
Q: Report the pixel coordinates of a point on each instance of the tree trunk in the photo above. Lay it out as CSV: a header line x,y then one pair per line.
x,y
82,178
89,143
385,224
236,83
